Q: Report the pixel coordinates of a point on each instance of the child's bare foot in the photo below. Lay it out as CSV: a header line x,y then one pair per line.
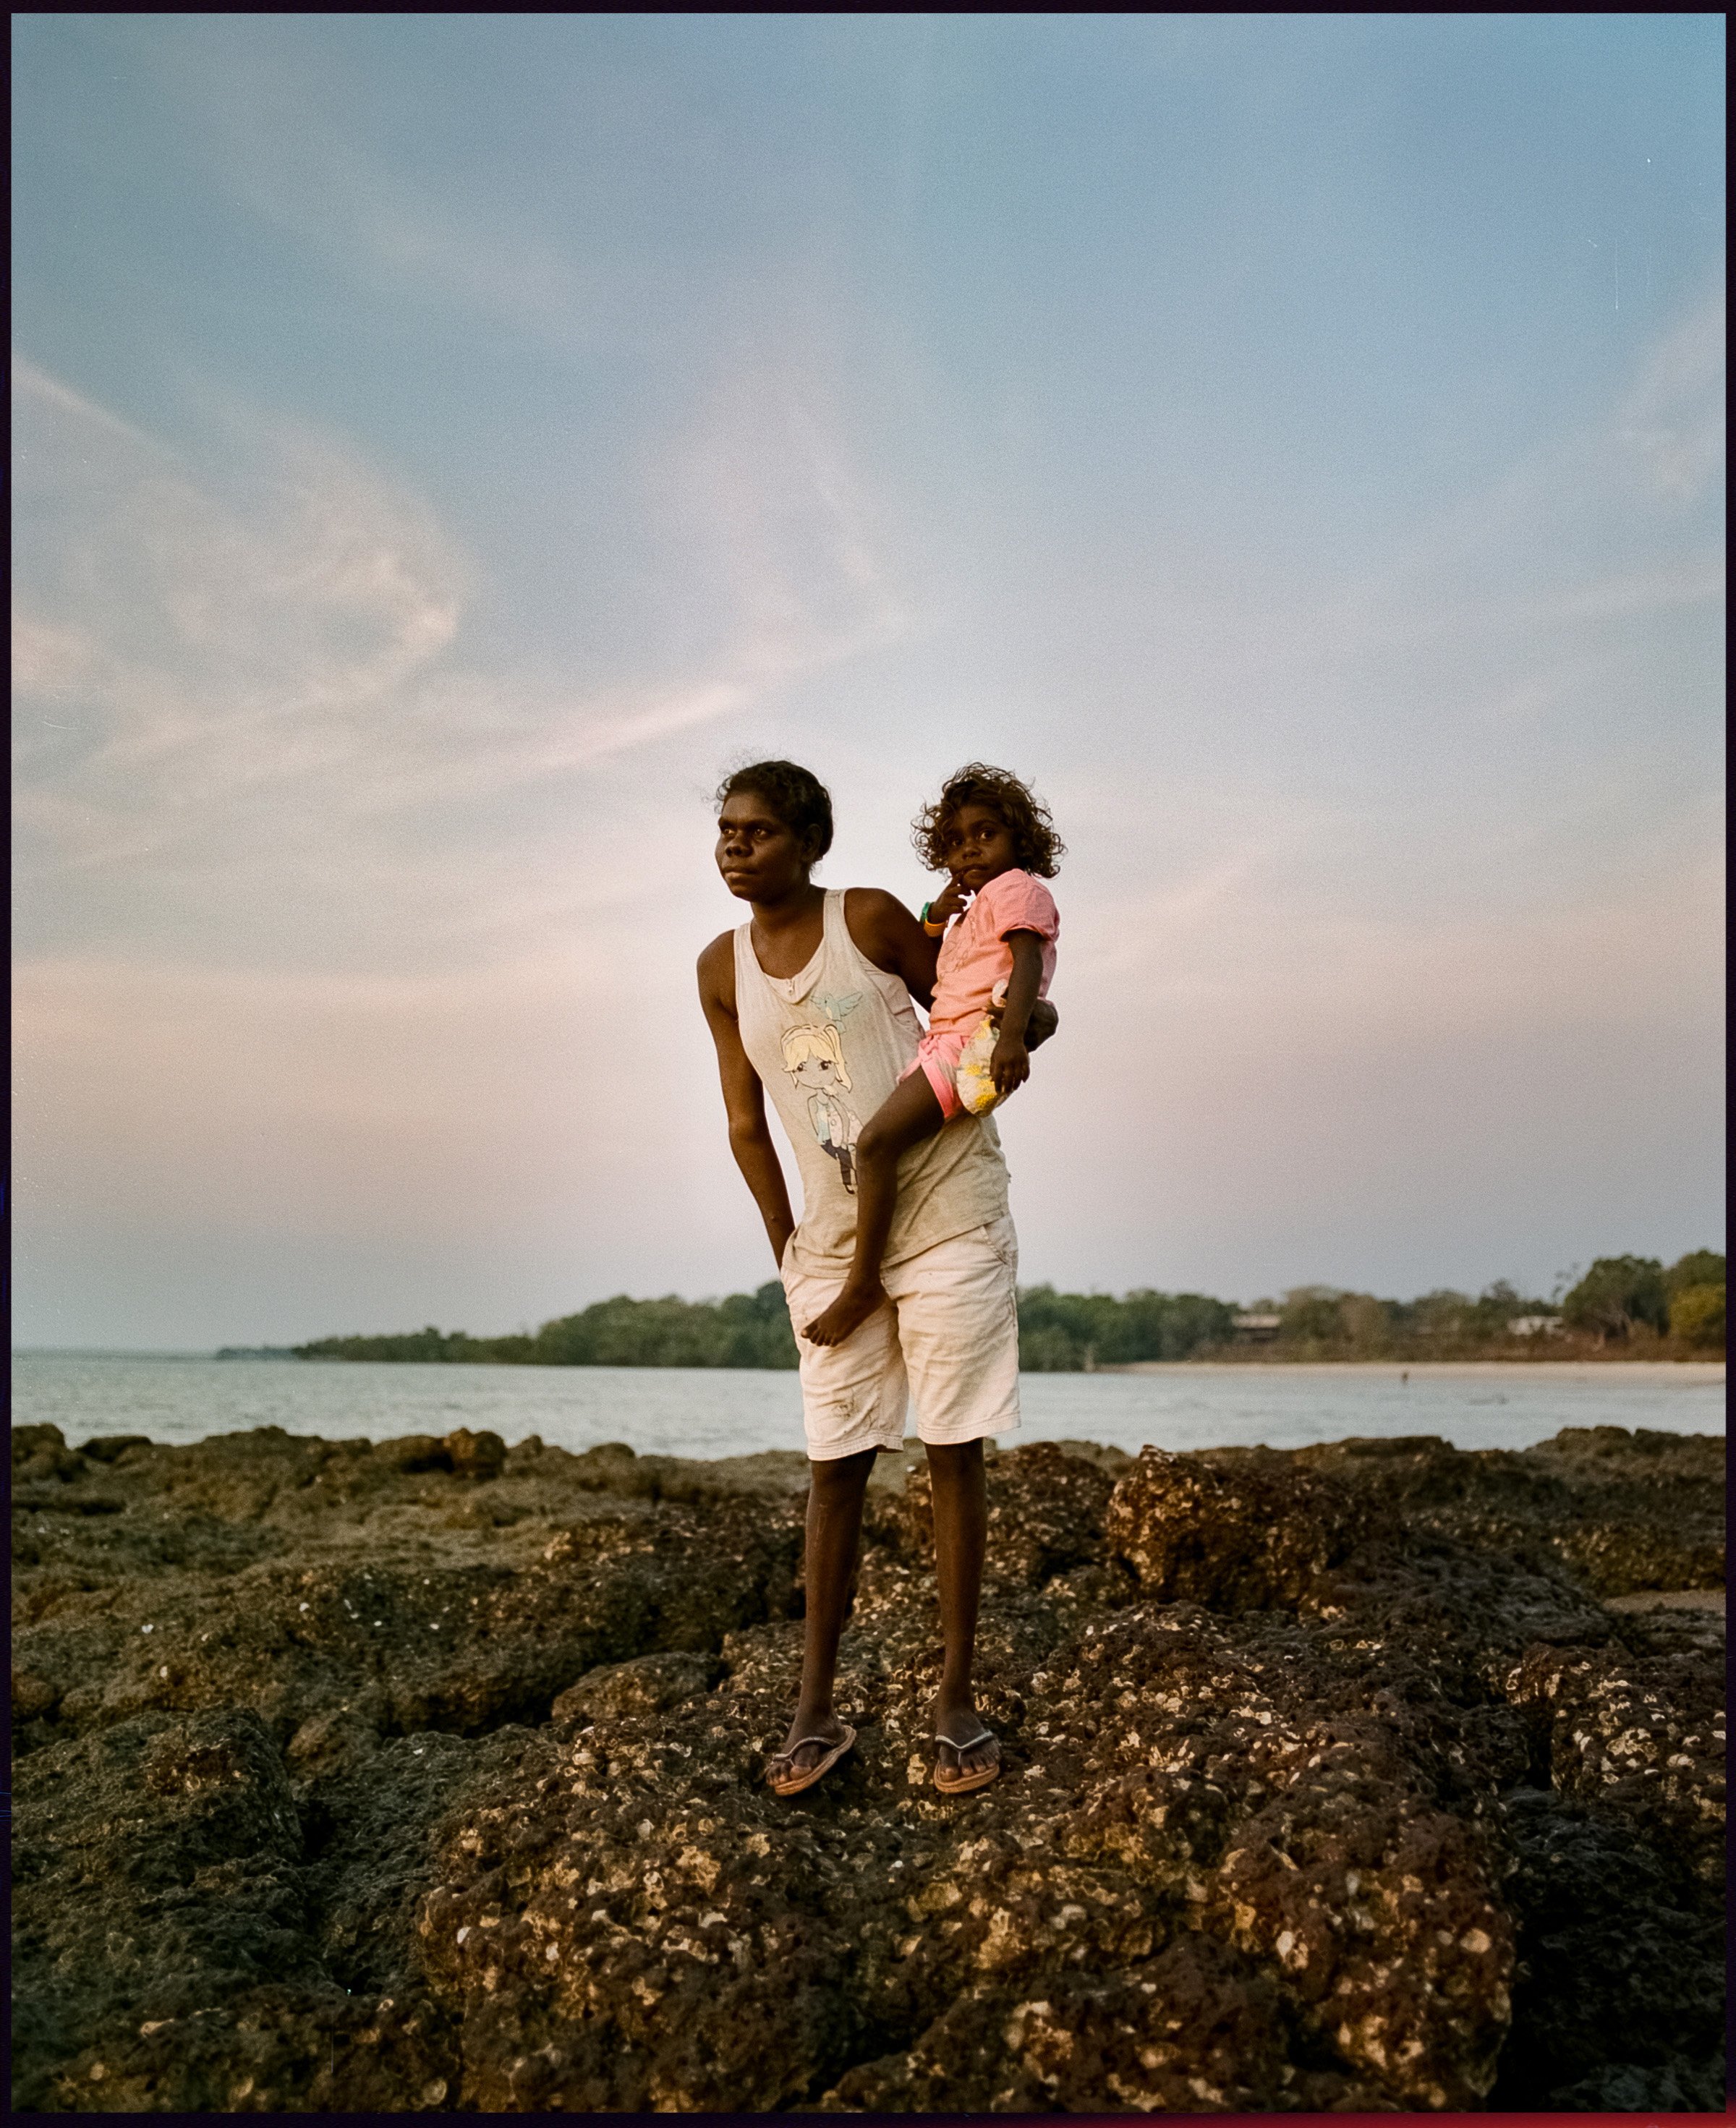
x,y
847,1312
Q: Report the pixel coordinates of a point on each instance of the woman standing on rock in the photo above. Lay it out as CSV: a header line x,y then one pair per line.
x,y
811,1000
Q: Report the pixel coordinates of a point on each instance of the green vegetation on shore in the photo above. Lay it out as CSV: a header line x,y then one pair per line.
x,y
1626,1306
745,1330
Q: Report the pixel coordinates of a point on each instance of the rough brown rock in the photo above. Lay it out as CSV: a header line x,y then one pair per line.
x,y
1620,2007
643,1686
1619,1511
1641,1732
358,1778
1046,1513
1258,1532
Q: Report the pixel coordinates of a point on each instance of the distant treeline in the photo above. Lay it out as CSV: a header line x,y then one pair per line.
x,y
1627,1304
746,1330
1630,1303
1058,1332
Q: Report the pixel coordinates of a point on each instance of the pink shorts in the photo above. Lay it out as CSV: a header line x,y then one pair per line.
x,y
938,1057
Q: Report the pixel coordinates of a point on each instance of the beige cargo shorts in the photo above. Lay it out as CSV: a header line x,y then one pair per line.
x,y
949,1338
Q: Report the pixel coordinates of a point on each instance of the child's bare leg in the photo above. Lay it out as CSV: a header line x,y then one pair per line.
x,y
907,1115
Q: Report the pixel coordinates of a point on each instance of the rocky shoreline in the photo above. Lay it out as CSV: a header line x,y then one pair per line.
x,y
424,1776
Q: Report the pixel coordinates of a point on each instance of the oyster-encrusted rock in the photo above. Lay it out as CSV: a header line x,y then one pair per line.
x,y
410,1776
1239,1538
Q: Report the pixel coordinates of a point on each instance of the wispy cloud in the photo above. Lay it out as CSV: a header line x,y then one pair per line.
x,y
763,488
267,670
60,398
442,442
1674,418
205,645
271,123
1633,469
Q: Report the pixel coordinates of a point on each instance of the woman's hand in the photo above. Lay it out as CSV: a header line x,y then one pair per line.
x,y
1043,1021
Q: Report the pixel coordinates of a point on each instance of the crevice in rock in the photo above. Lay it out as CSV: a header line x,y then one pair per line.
x,y
872,2043
57,1503
1619,2000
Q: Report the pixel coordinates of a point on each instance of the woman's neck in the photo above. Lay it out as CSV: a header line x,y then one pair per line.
x,y
794,911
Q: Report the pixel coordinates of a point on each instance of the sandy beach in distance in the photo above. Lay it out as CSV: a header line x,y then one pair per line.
x,y
1697,1372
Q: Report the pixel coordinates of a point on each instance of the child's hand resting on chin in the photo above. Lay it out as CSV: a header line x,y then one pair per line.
x,y
951,902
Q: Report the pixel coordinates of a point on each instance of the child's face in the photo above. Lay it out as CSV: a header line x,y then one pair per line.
x,y
977,846
818,1072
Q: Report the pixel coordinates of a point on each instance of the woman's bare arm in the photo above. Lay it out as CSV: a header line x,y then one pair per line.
x,y
885,930
743,1097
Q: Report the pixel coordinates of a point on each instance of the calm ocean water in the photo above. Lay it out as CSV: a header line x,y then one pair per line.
x,y
710,1412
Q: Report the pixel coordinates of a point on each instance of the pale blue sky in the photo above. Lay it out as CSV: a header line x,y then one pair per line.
x,y
444,442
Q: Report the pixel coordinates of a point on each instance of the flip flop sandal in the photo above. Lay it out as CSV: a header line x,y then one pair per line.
x,y
966,1783
835,1752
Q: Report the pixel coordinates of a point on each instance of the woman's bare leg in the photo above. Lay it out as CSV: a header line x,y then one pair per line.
x,y
961,1529
835,1493
907,1115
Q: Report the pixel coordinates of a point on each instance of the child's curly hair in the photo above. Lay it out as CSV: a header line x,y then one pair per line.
x,y
1037,847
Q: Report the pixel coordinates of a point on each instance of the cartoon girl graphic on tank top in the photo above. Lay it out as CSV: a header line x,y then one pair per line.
x,y
813,1056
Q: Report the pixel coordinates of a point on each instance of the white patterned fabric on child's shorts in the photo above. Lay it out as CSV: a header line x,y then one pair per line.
x,y
972,1076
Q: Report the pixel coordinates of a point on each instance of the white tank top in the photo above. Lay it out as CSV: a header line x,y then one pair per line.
x,y
829,1045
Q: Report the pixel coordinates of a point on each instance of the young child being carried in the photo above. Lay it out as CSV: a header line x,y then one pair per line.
x,y
995,839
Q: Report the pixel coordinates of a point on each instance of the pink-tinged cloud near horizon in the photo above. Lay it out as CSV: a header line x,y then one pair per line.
x,y
444,444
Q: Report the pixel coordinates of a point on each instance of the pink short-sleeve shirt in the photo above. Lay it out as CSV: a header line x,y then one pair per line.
x,y
974,956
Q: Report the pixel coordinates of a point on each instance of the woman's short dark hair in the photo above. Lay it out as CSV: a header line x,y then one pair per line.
x,y
796,795
1036,847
